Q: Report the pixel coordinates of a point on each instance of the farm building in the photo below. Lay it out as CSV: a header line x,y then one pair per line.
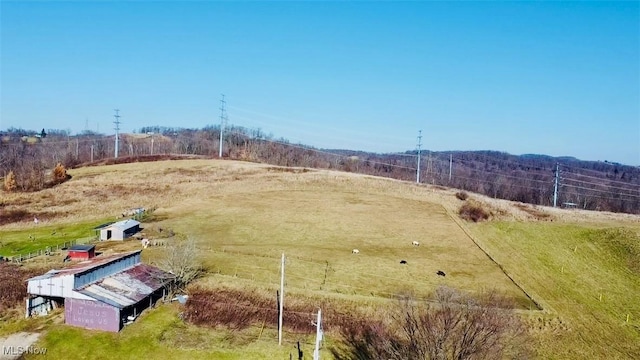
x,y
81,252
101,293
119,230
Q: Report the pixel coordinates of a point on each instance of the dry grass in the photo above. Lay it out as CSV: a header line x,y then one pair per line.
x,y
244,215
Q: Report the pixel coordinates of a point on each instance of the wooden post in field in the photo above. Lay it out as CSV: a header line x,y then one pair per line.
x,y
281,301
316,350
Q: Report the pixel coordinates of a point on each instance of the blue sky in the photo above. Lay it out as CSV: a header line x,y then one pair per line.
x,y
555,78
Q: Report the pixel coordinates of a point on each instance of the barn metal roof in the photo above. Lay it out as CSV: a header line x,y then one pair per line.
x,y
125,224
82,247
84,266
128,287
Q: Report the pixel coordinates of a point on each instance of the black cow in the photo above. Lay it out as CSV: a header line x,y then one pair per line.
x,y
403,262
441,273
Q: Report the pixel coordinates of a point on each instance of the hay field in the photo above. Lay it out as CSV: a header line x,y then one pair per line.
x,y
243,216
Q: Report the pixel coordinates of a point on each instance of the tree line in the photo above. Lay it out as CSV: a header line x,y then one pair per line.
x,y
591,185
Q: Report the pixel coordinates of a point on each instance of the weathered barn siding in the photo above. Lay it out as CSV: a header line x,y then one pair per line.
x,y
91,314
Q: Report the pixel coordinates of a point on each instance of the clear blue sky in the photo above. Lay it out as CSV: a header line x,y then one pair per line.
x,y
555,78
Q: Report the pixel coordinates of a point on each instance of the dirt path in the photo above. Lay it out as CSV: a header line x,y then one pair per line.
x,y
15,345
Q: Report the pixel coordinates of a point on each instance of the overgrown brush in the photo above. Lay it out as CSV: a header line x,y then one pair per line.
x,y
462,195
59,174
10,183
13,286
473,211
239,309
456,327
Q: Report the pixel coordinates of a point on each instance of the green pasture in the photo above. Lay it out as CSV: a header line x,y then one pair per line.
x,y
589,276
39,237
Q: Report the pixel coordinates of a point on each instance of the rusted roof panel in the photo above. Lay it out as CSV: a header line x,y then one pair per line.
x,y
127,287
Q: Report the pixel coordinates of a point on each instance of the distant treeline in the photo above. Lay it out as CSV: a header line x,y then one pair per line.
x,y
531,179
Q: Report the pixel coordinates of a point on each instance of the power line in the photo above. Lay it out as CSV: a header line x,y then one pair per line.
x,y
605,179
596,184
323,152
596,171
601,191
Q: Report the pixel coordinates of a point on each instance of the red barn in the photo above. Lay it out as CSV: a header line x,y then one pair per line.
x,y
82,252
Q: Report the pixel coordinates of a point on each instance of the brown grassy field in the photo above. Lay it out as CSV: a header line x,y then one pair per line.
x,y
243,216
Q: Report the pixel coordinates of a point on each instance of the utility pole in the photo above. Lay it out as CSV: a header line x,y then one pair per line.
x,y
223,118
319,333
117,128
91,152
151,144
450,165
281,301
555,187
419,145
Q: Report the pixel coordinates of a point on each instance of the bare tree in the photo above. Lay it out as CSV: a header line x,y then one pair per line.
x,y
455,327
181,262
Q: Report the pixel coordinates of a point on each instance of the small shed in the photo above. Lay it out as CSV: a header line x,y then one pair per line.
x,y
119,230
82,252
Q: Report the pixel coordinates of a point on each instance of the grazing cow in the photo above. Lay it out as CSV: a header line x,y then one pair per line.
x,y
145,243
441,273
415,243
403,262
355,251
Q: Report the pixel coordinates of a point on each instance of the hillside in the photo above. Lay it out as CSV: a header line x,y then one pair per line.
x,y
534,179
578,266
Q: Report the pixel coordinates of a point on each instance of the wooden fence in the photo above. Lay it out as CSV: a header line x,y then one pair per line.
x,y
50,249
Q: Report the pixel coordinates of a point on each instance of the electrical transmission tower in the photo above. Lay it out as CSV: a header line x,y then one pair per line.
x,y
117,129
223,121
555,186
419,146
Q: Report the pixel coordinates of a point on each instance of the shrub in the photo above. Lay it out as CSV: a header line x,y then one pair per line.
x,y
10,183
473,212
59,174
456,327
13,286
461,195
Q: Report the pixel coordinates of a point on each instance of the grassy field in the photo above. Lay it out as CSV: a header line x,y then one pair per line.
x,y
243,216
38,237
588,275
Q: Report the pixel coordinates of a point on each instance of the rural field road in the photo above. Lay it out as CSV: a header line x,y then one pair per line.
x,y
15,345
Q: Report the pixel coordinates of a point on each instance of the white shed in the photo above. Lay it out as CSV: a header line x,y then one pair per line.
x,y
119,230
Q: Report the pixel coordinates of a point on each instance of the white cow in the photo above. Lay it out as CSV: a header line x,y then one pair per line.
x,y
355,251
415,243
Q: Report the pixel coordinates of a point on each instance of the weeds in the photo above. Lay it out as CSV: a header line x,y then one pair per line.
x,y
462,195
473,212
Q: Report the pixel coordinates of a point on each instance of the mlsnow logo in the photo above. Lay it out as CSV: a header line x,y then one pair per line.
x,y
22,350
